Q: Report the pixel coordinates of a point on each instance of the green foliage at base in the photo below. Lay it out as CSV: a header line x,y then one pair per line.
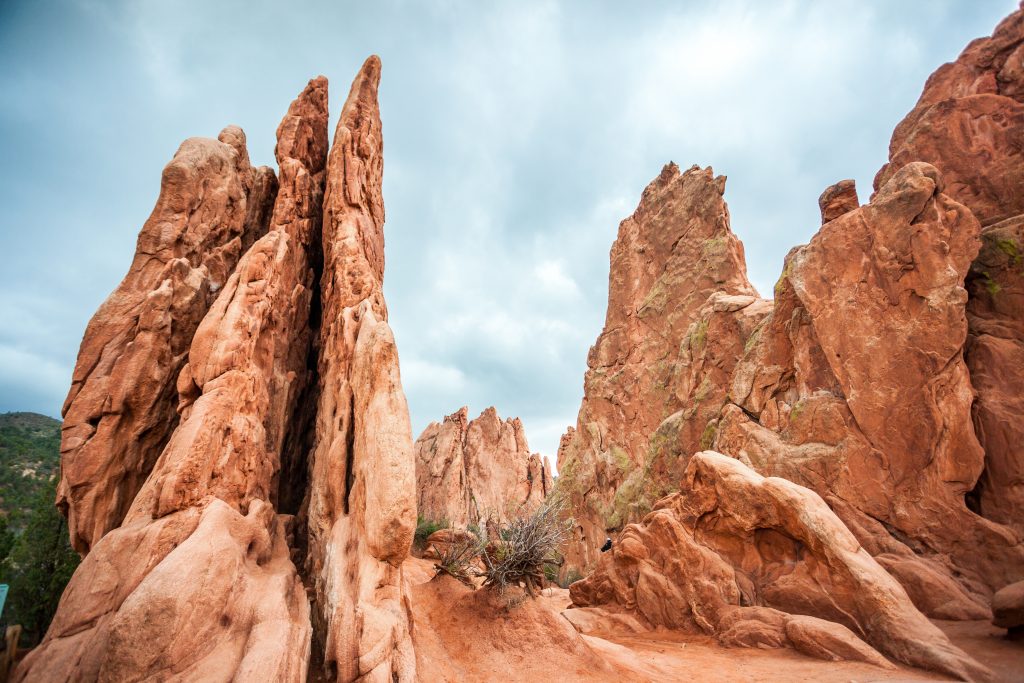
x,y
571,577
36,559
29,455
38,566
425,527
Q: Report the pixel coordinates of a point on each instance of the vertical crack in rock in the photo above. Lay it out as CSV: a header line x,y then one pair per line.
x,y
362,506
120,410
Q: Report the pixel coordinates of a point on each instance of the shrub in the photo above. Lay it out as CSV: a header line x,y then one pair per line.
x,y
425,527
457,560
571,577
524,547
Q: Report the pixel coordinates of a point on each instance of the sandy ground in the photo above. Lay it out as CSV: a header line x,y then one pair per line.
x,y
462,635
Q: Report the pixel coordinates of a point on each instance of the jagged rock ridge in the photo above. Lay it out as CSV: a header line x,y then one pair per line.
x,y
856,381
468,471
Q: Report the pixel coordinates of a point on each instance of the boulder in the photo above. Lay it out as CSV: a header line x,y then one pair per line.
x,y
736,554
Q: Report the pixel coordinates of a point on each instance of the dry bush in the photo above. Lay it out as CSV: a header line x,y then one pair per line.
x,y
520,550
457,560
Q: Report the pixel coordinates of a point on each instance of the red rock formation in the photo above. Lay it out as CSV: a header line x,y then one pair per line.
x,y
362,479
468,471
878,422
837,200
199,577
855,385
120,411
969,122
679,310
736,552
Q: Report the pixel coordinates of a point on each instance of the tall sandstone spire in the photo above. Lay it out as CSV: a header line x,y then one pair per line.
x,y
273,466
199,580
677,281
362,481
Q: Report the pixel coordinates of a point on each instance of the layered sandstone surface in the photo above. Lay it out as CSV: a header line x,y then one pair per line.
x,y
468,471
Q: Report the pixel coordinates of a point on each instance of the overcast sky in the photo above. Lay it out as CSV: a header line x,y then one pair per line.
x,y
517,135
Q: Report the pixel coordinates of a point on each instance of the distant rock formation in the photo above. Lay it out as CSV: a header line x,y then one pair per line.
x,y
467,471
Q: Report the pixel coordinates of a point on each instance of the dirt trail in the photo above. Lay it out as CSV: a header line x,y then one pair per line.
x,y
462,635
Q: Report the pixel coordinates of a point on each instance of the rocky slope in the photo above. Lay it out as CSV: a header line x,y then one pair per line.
x,y
471,470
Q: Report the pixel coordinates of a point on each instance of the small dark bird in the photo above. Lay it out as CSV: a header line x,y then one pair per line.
x,y
607,545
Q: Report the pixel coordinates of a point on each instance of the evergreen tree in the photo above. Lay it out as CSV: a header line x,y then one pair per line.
x,y
38,567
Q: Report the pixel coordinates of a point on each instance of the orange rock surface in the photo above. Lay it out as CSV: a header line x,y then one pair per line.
x,y
471,470
120,411
198,579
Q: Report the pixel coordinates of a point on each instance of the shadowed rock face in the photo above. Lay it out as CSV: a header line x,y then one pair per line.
x,y
362,479
467,471
120,411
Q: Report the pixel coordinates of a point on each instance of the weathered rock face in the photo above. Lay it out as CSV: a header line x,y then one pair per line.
x,y
467,471
120,411
995,354
881,418
853,382
738,555
362,478
289,459
199,577
969,123
679,310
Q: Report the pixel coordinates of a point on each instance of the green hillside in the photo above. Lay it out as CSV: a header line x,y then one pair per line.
x,y
29,457
36,560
